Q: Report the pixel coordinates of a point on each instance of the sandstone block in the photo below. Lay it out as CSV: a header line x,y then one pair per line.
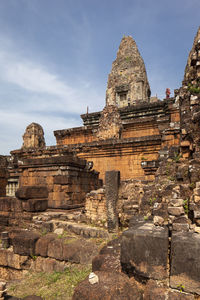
x,y
176,211
177,202
24,243
41,247
55,249
34,205
78,251
32,192
196,191
48,265
185,261
158,221
144,251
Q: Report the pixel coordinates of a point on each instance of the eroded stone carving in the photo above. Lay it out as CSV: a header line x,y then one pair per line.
x,y
34,136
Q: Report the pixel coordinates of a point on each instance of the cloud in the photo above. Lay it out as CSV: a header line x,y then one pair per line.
x,y
30,92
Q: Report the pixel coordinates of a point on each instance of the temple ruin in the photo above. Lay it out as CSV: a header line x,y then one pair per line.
x,y
135,165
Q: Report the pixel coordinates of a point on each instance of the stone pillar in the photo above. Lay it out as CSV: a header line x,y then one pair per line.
x,y
112,180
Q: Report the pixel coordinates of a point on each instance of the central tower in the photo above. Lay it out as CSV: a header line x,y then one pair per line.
x,y
127,81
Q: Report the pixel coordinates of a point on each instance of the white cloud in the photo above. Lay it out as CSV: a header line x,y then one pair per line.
x,y
32,93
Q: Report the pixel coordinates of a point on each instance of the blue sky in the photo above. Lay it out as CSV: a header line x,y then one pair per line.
x,y
55,56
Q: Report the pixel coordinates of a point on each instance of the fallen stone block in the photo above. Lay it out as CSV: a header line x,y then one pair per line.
x,y
185,261
24,243
34,205
144,251
32,192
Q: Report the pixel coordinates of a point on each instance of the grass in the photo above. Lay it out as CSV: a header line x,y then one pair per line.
x,y
50,286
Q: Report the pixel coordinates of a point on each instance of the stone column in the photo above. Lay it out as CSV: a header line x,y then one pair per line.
x,y
112,180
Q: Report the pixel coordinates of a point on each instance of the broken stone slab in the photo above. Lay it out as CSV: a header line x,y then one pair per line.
x,y
176,211
32,192
185,261
144,251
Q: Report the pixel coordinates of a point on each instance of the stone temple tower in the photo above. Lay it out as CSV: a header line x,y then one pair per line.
x,y
127,81
33,137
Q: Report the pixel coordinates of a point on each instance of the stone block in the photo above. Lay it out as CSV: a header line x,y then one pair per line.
x,y
34,205
144,251
176,211
55,249
9,259
41,247
32,192
112,180
78,251
185,261
177,202
42,264
196,191
24,243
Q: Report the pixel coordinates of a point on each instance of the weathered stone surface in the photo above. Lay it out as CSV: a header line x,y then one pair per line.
x,y
79,251
55,249
9,259
144,251
32,192
34,205
106,262
127,81
41,247
110,124
154,292
172,295
41,264
33,136
112,180
110,286
24,243
176,211
185,261
10,204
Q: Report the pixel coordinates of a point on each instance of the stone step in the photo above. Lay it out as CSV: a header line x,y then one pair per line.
x,y
81,229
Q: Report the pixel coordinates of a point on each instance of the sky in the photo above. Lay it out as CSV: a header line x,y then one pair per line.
x,y
55,56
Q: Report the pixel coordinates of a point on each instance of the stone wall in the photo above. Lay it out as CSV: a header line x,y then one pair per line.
x,y
146,129
67,177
